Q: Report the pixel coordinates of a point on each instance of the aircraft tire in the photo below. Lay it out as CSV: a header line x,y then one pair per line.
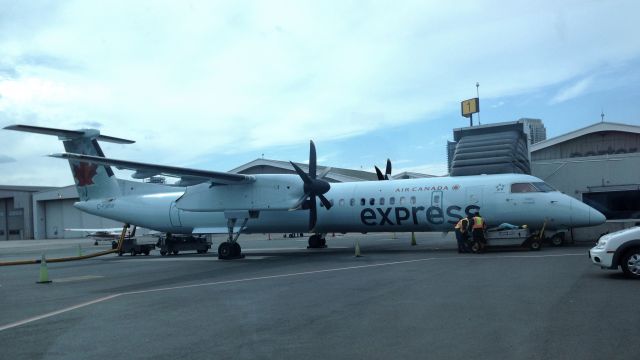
x,y
314,242
236,250
225,251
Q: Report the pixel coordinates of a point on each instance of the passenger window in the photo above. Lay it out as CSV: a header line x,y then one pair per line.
x,y
381,201
372,201
401,200
341,202
363,202
413,200
522,188
392,200
352,202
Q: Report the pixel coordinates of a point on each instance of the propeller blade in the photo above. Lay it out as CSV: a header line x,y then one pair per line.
x,y
312,160
302,174
324,172
379,173
313,215
325,202
298,204
387,173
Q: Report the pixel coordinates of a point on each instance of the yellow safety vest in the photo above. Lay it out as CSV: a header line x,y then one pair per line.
x,y
462,224
478,222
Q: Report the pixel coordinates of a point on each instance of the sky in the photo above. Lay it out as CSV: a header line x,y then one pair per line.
x,y
215,84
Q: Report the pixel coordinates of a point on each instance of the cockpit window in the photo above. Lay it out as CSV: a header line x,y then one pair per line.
x,y
523,188
544,187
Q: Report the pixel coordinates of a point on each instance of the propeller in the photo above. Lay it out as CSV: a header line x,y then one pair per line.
x,y
387,172
313,187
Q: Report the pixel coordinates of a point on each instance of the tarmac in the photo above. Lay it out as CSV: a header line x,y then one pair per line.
x,y
288,302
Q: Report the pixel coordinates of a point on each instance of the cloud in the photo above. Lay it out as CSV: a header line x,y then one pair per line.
x,y
572,91
206,80
6,159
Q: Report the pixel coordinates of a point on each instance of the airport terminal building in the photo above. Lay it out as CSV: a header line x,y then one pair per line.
x,y
597,164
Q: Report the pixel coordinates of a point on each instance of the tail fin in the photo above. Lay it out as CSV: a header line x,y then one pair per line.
x,y
92,181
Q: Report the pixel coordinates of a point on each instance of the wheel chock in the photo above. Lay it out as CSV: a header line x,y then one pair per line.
x,y
44,272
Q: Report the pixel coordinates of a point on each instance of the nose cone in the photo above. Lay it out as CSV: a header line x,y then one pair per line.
x,y
584,215
596,217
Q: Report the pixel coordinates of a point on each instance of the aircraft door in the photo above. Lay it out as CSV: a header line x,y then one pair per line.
x,y
474,200
174,215
436,199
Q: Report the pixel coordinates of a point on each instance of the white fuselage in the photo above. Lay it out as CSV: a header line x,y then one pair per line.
x,y
425,204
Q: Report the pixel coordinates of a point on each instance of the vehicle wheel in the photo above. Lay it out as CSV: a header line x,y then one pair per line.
x,y
175,252
224,250
630,263
557,240
535,244
163,253
475,247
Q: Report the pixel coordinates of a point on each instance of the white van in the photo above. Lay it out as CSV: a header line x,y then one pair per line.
x,y
621,248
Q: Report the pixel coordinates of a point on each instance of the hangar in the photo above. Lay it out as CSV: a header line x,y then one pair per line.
x,y
598,165
16,211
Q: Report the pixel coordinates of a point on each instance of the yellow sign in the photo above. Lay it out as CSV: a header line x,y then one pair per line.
x,y
469,107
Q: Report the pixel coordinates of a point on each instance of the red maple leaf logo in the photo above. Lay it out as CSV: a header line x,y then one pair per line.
x,y
84,173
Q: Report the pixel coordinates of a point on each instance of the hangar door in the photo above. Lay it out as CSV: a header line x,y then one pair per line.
x,y
3,219
60,215
11,221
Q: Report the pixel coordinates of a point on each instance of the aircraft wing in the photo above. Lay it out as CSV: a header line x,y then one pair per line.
x,y
145,170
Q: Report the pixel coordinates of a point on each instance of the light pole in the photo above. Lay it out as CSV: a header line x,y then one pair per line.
x,y
478,96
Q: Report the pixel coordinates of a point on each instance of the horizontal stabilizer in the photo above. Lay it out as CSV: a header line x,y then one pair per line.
x,y
69,134
213,176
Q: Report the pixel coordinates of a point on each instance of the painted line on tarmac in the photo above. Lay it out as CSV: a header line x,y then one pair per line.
x,y
269,277
53,313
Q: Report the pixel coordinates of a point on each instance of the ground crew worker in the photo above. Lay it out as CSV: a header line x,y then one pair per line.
x,y
462,234
478,226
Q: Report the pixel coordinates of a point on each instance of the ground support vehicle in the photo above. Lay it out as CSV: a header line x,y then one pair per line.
x,y
173,244
510,237
620,248
135,246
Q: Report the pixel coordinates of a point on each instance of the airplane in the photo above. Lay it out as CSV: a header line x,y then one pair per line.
x,y
212,202
100,234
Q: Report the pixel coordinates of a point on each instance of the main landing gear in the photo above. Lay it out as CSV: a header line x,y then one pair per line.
x,y
230,249
317,241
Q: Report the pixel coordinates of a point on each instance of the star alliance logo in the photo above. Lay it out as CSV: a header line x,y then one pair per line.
x,y
500,187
